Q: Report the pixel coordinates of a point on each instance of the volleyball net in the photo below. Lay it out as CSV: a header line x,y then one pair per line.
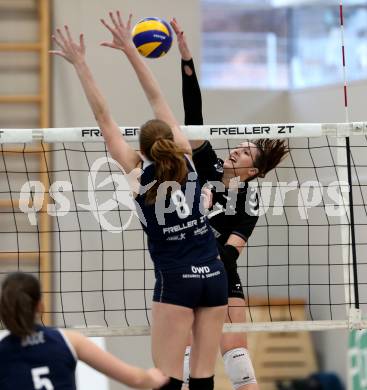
x,y
68,216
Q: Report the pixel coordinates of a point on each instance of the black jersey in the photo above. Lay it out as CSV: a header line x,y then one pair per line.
x,y
44,360
233,212
178,233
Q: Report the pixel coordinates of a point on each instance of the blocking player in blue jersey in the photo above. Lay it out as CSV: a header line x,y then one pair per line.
x,y
234,213
35,357
191,285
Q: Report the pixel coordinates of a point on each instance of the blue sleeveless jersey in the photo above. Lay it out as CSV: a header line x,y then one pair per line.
x,y
43,361
178,233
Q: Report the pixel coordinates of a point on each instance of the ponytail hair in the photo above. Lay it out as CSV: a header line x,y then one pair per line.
x,y
20,295
158,145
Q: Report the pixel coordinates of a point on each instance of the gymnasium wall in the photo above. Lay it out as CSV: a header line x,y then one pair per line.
x,y
326,104
111,69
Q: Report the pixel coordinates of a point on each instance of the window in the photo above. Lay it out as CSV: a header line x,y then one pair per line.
x,y
315,45
247,46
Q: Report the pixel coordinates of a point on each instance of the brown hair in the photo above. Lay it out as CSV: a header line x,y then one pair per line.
x,y
20,295
158,145
270,153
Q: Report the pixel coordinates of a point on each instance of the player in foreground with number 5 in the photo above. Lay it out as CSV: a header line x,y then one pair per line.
x,y
191,285
37,357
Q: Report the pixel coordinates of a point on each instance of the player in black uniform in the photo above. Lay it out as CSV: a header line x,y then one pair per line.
x,y
234,213
38,357
191,284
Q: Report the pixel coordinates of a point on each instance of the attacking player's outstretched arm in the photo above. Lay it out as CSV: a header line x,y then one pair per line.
x,y
191,93
111,366
121,40
74,53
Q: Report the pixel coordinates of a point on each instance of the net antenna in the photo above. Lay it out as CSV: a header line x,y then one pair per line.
x,y
355,315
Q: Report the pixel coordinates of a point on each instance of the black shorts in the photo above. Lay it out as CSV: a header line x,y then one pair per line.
x,y
234,285
193,286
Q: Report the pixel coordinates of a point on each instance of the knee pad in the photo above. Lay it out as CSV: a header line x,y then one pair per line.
x,y
201,383
173,384
186,366
238,366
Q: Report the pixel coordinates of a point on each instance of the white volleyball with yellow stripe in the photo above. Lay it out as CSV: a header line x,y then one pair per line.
x,y
152,37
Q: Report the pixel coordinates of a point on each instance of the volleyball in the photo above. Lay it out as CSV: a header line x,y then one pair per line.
x,y
152,37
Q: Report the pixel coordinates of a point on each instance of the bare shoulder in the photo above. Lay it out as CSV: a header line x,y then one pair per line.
x,y
74,337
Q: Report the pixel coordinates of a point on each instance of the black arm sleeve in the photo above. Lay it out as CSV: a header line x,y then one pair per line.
x,y
205,160
191,95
